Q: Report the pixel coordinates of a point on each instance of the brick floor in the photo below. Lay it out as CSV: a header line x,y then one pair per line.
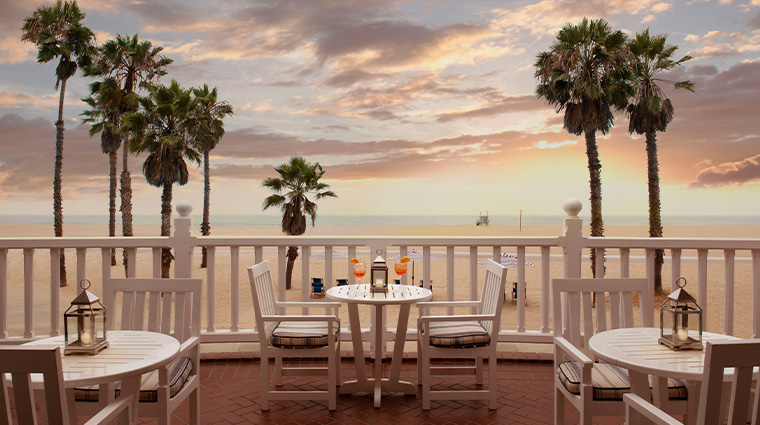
x,y
230,395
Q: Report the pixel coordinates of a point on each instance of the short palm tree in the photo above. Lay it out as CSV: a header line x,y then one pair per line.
x,y
58,33
133,64
298,178
651,111
107,101
584,74
163,129
209,118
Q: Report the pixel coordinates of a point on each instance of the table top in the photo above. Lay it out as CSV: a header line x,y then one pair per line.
x,y
638,349
361,294
129,353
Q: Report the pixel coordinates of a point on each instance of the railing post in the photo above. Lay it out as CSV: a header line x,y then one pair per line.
x,y
183,243
573,238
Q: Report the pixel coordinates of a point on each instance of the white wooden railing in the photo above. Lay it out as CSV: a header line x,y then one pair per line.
x,y
570,248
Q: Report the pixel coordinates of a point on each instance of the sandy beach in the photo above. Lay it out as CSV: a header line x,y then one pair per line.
x,y
716,270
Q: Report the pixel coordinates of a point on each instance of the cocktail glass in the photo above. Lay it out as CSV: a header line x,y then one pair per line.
x,y
360,269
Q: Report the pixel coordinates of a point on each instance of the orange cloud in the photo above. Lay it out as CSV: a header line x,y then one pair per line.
x,y
730,173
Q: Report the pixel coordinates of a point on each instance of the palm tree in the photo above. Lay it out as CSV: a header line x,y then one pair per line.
x,y
651,111
209,116
107,101
298,178
584,74
163,128
57,31
133,64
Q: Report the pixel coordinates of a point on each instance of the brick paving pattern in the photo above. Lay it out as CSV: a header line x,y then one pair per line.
x,y
230,394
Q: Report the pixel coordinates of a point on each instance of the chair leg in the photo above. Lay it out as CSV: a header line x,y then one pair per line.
x,y
195,407
425,382
278,372
332,390
264,377
492,386
419,361
559,407
479,371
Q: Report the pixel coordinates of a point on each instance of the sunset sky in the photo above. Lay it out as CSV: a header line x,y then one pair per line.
x,y
412,107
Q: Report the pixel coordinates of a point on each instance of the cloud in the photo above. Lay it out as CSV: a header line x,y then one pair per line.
x,y
13,50
543,144
730,173
723,44
16,100
507,105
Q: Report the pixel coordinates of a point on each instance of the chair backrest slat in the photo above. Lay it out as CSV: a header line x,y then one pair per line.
x,y
262,290
20,362
492,297
742,355
170,302
578,316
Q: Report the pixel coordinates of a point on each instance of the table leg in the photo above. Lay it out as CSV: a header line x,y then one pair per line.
x,y
640,384
361,383
692,403
398,345
131,385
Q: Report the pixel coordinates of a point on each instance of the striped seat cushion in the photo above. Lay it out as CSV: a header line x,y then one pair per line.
x,y
302,334
458,334
179,371
610,382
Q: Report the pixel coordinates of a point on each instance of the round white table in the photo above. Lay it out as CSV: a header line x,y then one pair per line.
x,y
637,350
129,355
402,295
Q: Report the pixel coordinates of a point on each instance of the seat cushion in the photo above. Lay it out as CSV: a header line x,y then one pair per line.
x,y
458,334
179,371
302,334
610,382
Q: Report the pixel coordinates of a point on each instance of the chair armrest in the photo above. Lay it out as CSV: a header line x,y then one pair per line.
x,y
436,304
572,351
457,318
647,410
295,304
189,344
320,318
113,410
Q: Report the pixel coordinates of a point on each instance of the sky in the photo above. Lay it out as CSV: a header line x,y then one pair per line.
x,y
421,107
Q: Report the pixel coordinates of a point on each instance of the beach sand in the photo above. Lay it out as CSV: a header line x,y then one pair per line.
x,y
716,270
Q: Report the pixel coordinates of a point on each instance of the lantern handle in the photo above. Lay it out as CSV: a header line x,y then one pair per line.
x,y
83,282
681,282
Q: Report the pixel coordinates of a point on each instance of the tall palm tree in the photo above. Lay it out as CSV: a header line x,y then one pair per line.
x,y
651,111
57,31
107,102
584,74
298,178
209,117
163,128
133,64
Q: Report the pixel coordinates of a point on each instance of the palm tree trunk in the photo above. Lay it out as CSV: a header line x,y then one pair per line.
x,y
112,201
57,198
205,225
126,200
292,255
166,229
595,183
655,220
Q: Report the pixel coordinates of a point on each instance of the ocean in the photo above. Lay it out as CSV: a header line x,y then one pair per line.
x,y
399,220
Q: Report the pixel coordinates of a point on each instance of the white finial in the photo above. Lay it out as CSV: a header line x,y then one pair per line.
x,y
184,209
572,207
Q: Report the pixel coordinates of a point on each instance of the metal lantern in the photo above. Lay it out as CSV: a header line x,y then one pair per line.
x,y
85,323
681,320
379,275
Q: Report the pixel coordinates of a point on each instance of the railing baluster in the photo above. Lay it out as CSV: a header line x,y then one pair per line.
x,y
156,262
235,288
55,293
281,269
210,289
545,287
450,276
520,288
625,262
4,293
426,266
349,267
729,303
29,291
305,277
702,284
755,293
132,262
675,269
473,276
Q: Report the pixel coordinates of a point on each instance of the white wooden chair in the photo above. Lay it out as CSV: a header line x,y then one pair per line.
x,y
743,356
596,389
20,362
462,336
294,336
169,306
